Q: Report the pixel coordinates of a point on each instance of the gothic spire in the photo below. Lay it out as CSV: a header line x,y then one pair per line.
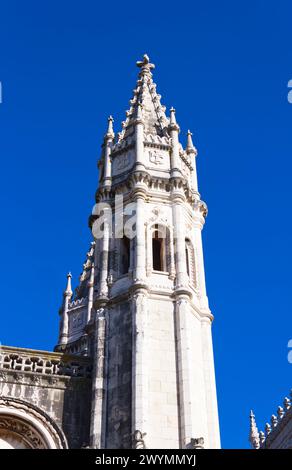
x,y
145,104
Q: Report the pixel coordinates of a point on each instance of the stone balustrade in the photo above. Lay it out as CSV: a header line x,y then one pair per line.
x,y
43,362
282,412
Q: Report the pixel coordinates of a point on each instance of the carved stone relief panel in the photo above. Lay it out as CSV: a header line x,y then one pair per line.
x,y
122,162
16,434
76,320
158,158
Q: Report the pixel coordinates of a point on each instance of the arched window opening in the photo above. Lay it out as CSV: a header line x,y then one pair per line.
x,y
125,255
158,250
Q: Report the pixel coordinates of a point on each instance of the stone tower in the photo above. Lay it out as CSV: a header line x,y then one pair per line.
x,y
141,310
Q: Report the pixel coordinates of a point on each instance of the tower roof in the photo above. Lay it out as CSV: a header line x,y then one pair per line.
x,y
145,105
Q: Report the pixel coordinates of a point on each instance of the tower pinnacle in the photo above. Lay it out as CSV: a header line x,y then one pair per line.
x,y
190,146
68,292
110,131
253,433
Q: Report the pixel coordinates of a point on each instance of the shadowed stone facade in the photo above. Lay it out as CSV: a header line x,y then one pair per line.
x,y
133,367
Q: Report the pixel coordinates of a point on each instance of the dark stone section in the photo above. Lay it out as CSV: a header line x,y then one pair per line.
x,y
119,383
76,413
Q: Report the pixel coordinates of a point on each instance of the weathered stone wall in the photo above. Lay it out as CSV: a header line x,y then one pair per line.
x,y
65,398
119,383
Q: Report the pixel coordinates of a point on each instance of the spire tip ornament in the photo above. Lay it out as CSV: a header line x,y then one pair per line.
x,y
145,63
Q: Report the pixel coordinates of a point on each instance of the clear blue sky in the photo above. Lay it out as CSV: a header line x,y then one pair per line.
x,y
64,67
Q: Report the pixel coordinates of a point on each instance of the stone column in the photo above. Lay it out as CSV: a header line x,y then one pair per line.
x,y
90,293
108,140
103,287
148,250
140,251
98,407
179,240
139,362
172,259
174,157
200,211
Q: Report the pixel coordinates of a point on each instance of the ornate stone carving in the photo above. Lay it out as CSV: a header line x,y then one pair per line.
x,y
201,206
26,433
20,417
3,376
158,217
35,379
196,443
138,440
155,157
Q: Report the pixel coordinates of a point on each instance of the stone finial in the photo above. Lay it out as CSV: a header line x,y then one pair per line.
x,y
274,421
280,412
262,438
68,292
268,429
253,431
286,403
190,148
172,115
145,65
196,443
110,131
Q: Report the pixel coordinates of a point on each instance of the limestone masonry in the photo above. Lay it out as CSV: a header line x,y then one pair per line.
x,y
133,367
